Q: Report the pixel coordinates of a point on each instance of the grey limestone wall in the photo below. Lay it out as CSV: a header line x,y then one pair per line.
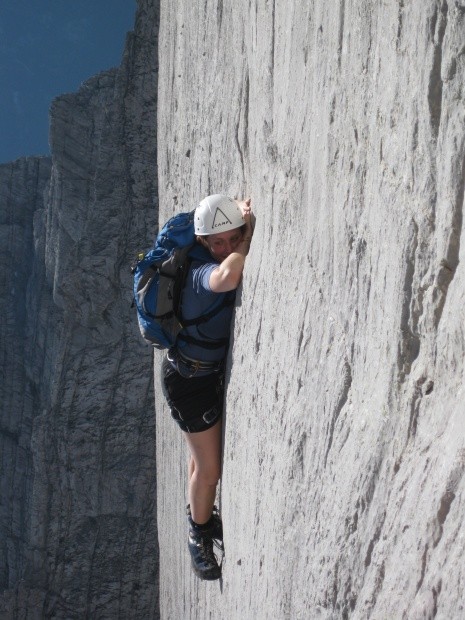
x,y
344,446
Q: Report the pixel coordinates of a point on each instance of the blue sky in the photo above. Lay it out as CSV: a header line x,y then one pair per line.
x,y
47,48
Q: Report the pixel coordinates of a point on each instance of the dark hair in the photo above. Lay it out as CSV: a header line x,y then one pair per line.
x,y
242,228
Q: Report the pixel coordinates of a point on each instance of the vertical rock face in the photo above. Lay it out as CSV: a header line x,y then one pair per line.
x,y
344,449
22,186
80,537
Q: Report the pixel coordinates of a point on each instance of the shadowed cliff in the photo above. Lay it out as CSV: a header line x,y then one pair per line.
x,y
78,511
344,447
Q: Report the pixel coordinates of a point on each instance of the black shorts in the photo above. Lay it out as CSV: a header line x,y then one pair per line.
x,y
196,403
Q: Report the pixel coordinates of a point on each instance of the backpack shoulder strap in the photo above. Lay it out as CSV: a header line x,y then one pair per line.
x,y
227,301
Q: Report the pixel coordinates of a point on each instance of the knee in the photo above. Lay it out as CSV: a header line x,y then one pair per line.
x,y
208,476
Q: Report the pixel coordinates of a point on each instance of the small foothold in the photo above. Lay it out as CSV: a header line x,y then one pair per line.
x,y
429,387
239,562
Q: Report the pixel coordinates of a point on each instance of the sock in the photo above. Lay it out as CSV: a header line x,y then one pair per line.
x,y
202,527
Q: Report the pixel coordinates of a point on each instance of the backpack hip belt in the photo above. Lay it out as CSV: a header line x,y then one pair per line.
x,y
175,356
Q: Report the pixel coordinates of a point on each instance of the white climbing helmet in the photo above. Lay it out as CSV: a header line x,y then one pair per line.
x,y
216,214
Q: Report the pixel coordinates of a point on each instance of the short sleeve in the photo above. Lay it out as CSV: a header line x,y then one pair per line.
x,y
201,278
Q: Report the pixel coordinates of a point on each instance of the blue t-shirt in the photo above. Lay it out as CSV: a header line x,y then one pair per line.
x,y
197,300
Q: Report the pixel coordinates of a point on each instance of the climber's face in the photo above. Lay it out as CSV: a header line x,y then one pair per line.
x,y
223,244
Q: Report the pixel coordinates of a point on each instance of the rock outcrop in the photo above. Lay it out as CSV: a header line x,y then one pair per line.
x,y
344,446
79,535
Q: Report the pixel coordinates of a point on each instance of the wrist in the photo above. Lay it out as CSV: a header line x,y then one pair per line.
x,y
243,247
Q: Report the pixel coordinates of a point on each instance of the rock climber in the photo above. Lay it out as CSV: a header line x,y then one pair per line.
x,y
193,370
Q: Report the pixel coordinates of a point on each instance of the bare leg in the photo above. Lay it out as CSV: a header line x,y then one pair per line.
x,y
204,471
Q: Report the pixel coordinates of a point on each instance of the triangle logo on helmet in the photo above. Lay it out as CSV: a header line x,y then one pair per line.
x,y
220,219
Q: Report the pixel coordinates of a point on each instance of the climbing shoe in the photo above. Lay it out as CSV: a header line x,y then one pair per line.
x,y
214,524
201,549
